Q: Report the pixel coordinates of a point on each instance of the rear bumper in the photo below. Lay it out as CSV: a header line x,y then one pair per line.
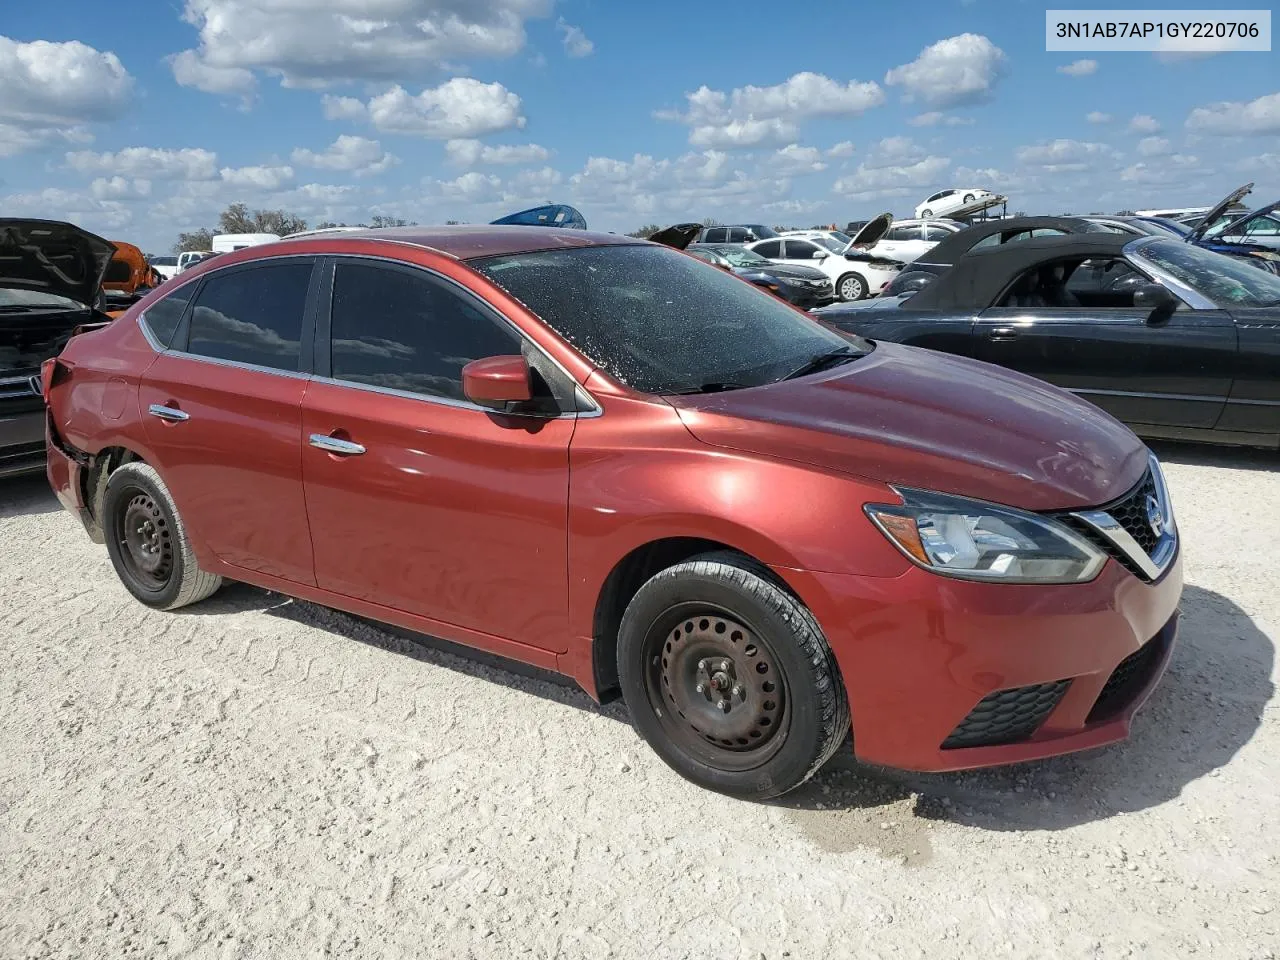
x,y
21,442
920,652
64,473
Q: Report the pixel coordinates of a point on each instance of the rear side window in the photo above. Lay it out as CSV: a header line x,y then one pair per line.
x,y
716,235
772,250
162,316
737,234
402,330
253,316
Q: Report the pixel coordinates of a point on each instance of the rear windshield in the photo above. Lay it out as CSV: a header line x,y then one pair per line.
x,y
662,322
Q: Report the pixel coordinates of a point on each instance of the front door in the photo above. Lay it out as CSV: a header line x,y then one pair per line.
x,y
223,413
419,500
1090,339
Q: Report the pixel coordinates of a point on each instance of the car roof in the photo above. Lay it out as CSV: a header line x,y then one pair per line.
x,y
473,241
954,247
981,275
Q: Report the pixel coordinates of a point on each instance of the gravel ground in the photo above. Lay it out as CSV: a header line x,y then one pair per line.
x,y
263,778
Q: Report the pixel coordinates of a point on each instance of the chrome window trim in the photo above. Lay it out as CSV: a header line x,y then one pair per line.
x,y
451,402
1152,565
148,335
580,391
240,365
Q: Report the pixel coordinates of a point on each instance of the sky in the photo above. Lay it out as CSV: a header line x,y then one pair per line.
x,y
138,119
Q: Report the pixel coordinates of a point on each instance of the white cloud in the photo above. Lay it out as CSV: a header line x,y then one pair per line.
x,y
474,187
1170,169
1154,146
352,154
842,149
1144,123
258,178
1255,118
1058,156
935,117
190,71
100,216
118,188
50,91
1097,116
531,186
469,153
322,41
189,163
1080,68
957,70
869,183
576,43
457,109
794,159
751,115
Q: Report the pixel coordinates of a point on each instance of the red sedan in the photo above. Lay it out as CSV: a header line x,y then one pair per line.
x,y
602,457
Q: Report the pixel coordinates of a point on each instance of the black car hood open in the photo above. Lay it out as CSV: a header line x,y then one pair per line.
x,y
50,256
872,233
1225,204
678,235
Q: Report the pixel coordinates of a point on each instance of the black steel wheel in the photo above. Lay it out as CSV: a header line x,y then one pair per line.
x,y
148,543
729,678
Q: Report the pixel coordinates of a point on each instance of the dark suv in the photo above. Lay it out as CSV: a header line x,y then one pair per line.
x,y
736,233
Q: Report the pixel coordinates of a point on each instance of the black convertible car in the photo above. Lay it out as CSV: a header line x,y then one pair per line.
x,y
1177,341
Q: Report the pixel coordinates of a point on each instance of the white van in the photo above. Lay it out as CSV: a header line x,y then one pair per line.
x,y
226,242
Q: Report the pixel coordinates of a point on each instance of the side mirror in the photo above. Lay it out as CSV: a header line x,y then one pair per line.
x,y
1155,299
822,255
497,382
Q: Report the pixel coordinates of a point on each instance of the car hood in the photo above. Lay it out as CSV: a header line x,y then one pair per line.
x,y
1225,204
918,418
678,235
789,270
1241,220
872,233
50,256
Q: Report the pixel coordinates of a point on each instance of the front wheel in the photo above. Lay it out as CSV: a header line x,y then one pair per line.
x,y
969,198
926,213
851,287
729,678
147,541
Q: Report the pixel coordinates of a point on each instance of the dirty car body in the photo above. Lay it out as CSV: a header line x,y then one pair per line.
x,y
599,456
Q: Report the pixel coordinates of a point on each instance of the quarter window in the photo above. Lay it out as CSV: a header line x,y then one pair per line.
x,y
253,316
402,330
162,316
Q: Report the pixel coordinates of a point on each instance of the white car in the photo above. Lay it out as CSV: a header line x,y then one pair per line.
x,y
909,240
854,272
948,201
189,258
167,267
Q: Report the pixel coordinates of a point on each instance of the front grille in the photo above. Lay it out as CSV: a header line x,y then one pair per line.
x,y
1007,716
20,453
1127,680
1130,511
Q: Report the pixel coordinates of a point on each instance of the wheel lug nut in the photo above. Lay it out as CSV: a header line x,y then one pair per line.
x,y
700,688
738,691
723,705
724,665
702,664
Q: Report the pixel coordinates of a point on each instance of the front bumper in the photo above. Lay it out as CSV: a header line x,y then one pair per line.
x,y
918,653
21,442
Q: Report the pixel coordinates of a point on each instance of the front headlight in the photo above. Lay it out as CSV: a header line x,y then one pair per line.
x,y
973,540
793,281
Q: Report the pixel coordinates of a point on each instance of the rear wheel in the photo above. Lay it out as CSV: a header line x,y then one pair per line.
x,y
969,198
926,213
148,543
851,287
729,678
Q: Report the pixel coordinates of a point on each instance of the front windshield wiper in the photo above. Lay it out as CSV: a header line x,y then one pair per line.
x,y
823,361
713,386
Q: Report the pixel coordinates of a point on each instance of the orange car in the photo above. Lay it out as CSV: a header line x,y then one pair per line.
x,y
129,277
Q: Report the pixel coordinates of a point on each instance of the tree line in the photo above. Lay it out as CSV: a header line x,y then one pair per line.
x,y
238,218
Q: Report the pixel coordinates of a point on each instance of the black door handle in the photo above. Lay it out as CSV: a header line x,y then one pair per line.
x,y
1003,333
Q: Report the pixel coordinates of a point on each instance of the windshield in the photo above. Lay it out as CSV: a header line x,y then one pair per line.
x,y
837,235
744,258
164,261
34,298
1227,281
835,246
662,322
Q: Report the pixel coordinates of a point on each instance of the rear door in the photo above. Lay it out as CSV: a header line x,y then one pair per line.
x,y
222,409
428,504
1174,372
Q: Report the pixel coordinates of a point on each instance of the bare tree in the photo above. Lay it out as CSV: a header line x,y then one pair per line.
x,y
645,232
201,239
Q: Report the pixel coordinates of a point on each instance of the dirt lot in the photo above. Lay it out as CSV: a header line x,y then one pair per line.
x,y
263,778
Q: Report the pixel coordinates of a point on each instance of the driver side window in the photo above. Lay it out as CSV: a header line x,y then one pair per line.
x,y
801,250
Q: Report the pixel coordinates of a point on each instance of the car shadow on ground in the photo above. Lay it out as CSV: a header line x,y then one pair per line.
x,y
27,496
1207,707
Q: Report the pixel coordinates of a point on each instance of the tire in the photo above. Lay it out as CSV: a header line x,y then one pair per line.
x,y
969,198
157,566
757,729
926,213
851,287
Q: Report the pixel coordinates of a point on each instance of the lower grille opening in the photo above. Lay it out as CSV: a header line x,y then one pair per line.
x,y
1007,716
1127,680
